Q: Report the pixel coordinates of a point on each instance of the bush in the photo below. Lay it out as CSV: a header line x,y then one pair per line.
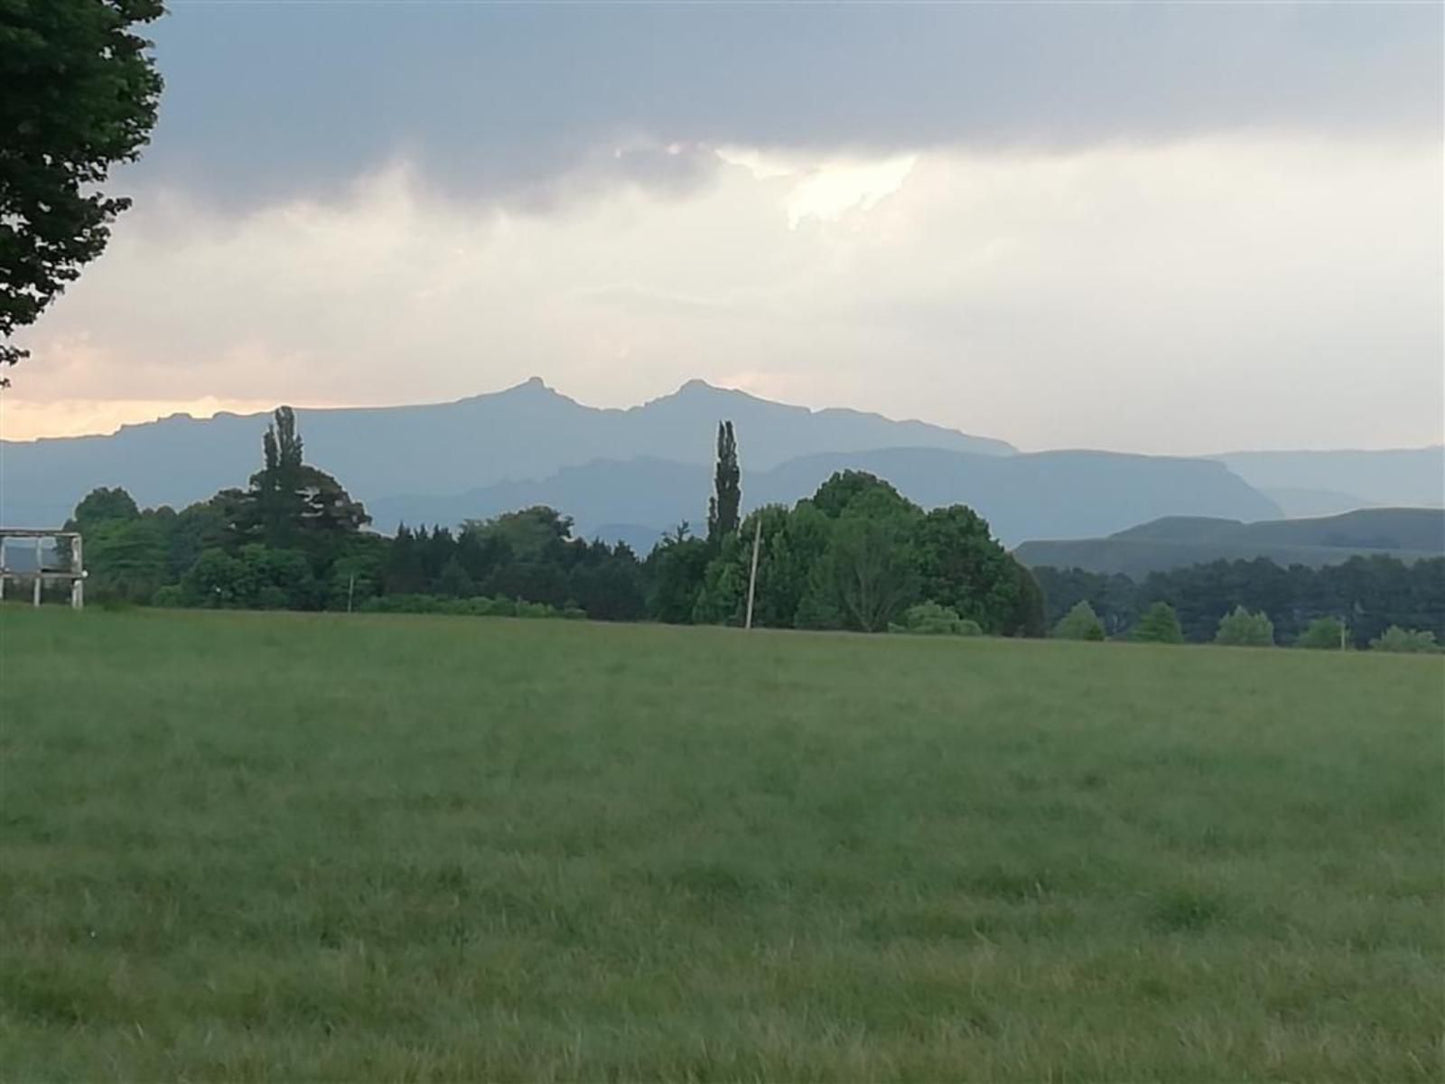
x,y
1244,629
931,619
171,596
1406,641
1323,634
480,606
1080,623
1159,625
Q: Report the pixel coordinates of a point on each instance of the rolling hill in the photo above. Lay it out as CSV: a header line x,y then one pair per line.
x,y
1176,541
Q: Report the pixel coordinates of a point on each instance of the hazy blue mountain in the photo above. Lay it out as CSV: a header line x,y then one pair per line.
x,y
1307,503
526,432
644,493
1059,494
1394,477
641,540
1174,542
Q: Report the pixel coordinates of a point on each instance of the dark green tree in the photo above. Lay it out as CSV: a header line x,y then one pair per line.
x,y
80,95
608,585
726,503
404,572
292,504
276,488
847,486
873,569
1159,625
675,571
1029,617
1080,623
532,534
1324,634
1114,597
218,581
963,568
126,559
1241,628
100,506
453,580
722,597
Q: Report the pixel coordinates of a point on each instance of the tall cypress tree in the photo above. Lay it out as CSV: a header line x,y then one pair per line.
x,y
723,508
277,487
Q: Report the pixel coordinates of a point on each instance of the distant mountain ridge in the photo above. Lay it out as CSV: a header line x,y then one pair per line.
x,y
1321,482
1409,534
1067,494
526,432
637,471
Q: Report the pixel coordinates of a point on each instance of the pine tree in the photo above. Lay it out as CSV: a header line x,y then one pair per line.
x,y
724,507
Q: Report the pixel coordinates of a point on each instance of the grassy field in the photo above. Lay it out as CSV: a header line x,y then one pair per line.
x,y
270,846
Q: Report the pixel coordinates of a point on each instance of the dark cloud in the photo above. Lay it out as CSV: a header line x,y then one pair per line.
x,y
265,100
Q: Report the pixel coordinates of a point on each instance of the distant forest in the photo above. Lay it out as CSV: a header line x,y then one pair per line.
x,y
855,556
1367,595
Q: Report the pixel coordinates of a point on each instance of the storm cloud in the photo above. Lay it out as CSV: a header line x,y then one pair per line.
x,y
269,101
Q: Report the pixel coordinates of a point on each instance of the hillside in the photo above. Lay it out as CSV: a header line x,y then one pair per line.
x,y
526,432
1174,542
1064,494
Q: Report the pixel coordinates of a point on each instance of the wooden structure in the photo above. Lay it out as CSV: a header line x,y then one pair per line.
x,y
15,538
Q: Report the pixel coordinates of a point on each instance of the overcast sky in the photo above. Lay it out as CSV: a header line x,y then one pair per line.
x,y
1181,228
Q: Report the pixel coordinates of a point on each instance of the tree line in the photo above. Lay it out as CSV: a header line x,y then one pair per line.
x,y
1361,599
856,555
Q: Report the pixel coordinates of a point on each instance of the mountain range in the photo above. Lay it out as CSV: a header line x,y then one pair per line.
x,y
1316,484
1044,494
636,472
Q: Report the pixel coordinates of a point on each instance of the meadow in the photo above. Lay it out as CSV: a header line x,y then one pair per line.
x,y
246,846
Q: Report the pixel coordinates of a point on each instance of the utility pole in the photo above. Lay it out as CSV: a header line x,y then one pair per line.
x,y
753,575
350,590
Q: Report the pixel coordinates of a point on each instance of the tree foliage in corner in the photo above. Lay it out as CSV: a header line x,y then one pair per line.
x,y
80,95
724,507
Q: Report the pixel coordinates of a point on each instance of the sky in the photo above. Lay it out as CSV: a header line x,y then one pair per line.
x,y
1164,228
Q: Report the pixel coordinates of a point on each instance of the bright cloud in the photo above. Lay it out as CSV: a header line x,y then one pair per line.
x,y
1185,296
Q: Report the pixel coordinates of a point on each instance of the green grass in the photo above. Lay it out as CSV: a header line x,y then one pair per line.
x,y
250,846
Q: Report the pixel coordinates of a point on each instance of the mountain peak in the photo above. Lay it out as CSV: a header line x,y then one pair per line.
x,y
697,386
534,387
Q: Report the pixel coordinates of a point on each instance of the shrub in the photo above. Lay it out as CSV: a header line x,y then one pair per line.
x,y
480,606
931,619
1406,641
1244,629
171,596
1323,634
1159,625
1080,623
